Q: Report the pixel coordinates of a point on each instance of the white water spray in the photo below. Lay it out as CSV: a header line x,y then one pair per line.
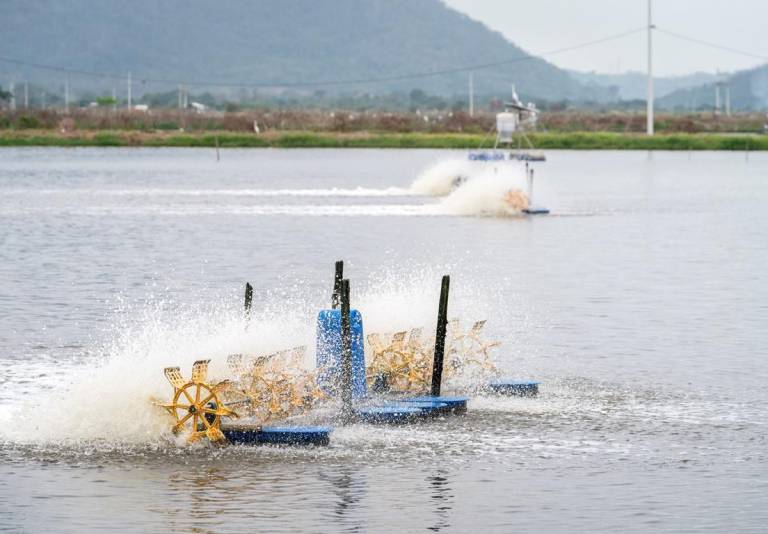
x,y
440,179
493,192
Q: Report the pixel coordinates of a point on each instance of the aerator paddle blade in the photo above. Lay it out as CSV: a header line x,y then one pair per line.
x,y
200,370
235,364
173,374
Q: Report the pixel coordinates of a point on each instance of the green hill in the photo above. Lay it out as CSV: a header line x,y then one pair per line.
x,y
748,92
282,43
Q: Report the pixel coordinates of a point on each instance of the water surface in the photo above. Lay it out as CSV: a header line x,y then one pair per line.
x,y
641,303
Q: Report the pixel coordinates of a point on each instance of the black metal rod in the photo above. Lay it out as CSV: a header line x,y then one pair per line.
x,y
442,326
346,354
248,299
247,303
336,297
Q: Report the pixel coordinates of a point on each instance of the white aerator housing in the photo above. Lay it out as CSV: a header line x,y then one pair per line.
x,y
506,125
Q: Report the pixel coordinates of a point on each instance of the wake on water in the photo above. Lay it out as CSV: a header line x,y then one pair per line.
x,y
461,188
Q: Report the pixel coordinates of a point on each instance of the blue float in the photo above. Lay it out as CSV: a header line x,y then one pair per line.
x,y
520,388
278,435
329,353
429,408
536,211
453,404
392,414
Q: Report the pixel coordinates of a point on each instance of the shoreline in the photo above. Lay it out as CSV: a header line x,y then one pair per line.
x,y
312,139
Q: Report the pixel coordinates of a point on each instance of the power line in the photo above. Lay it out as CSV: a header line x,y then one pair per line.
x,y
359,81
712,45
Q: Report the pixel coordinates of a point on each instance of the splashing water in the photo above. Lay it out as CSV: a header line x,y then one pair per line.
x,y
110,400
440,179
492,192
474,188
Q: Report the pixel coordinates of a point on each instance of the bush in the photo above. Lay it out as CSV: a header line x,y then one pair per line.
x,y
27,122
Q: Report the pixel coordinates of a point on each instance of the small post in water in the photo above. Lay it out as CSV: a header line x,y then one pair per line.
x,y
248,301
346,355
442,325
218,157
336,297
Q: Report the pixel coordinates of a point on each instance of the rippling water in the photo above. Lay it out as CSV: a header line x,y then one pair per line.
x,y
641,303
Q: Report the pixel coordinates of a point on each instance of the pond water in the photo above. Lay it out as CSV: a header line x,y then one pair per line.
x,y
640,303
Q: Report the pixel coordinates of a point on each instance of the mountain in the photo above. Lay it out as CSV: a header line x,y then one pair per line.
x,y
748,92
633,85
282,43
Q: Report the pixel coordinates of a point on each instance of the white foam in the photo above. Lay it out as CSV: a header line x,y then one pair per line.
x,y
441,178
484,194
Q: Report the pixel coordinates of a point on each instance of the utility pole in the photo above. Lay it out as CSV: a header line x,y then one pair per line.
x,y
130,88
471,95
727,99
717,97
13,96
649,110
26,95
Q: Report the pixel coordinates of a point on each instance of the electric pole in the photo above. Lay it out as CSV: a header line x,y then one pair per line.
x,y
717,97
130,88
649,111
26,95
471,95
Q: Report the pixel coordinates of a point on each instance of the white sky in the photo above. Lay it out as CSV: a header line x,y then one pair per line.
x,y
542,25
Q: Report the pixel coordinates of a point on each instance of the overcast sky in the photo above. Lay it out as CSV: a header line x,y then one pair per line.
x,y
542,25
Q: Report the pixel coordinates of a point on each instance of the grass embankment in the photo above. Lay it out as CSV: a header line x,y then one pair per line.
x,y
275,139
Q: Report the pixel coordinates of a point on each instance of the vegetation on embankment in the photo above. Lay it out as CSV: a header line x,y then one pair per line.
x,y
562,140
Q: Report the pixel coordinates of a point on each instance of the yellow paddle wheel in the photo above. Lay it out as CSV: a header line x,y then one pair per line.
x,y
403,363
197,407
275,386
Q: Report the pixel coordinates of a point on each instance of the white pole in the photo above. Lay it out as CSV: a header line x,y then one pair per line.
x,y
471,95
130,95
727,99
13,96
717,98
649,111
26,95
